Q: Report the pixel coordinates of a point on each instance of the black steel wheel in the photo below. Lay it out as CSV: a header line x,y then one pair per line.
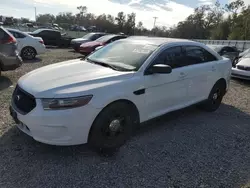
x,y
113,126
215,97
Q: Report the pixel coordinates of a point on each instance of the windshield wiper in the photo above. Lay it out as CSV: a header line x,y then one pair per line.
x,y
102,64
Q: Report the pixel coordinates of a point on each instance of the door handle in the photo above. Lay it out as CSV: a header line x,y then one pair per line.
x,y
213,68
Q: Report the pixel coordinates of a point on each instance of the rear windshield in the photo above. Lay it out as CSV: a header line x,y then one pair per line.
x,y
105,38
215,48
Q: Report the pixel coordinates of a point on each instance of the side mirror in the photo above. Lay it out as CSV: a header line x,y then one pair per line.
x,y
159,69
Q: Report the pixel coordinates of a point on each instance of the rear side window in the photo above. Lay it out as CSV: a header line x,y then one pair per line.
x,y
173,57
197,55
17,35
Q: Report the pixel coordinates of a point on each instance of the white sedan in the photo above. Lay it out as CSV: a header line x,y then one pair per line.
x,y
241,68
101,99
27,45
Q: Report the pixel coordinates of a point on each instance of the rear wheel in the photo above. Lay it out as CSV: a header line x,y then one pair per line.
x,y
28,53
215,97
113,126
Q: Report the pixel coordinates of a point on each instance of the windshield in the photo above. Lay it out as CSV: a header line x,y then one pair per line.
x,y
105,38
247,55
246,52
215,48
129,55
37,31
88,36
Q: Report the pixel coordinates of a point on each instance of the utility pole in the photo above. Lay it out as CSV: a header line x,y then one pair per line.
x,y
155,20
35,14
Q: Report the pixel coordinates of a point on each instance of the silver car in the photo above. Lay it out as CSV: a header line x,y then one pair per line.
x,y
9,58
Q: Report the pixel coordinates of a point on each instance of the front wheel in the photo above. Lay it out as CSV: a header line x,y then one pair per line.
x,y
215,97
112,127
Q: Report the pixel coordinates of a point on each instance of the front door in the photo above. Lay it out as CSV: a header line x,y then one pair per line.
x,y
166,92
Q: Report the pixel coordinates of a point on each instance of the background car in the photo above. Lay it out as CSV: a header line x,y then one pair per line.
x,y
52,37
76,43
9,58
241,69
230,52
89,47
244,53
27,45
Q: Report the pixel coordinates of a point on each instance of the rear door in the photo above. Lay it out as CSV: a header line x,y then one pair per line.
x,y
201,72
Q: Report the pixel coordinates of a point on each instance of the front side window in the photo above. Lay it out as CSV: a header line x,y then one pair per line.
x,y
129,55
172,57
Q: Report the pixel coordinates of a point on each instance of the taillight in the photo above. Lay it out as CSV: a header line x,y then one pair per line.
x,y
9,40
41,41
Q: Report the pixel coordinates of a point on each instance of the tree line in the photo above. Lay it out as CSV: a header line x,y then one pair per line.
x,y
215,21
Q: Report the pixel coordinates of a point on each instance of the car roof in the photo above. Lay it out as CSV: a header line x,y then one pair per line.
x,y
45,29
158,41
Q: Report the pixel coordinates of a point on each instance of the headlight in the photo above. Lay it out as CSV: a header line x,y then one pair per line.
x,y
65,103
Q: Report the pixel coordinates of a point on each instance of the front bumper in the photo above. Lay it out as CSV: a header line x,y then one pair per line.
x,y
76,46
242,74
10,62
56,127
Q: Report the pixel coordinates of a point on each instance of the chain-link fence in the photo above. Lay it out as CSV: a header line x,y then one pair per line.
x,y
239,44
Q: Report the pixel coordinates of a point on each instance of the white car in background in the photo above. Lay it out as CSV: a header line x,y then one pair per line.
x,y
27,45
100,100
241,68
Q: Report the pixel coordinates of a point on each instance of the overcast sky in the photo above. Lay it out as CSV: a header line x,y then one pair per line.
x,y
169,12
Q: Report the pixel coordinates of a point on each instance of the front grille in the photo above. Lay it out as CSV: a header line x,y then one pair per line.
x,y
23,101
241,67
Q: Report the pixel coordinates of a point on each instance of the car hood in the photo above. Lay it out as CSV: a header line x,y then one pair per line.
x,y
80,40
70,79
244,62
91,44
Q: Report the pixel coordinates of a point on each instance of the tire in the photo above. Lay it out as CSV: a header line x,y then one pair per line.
x,y
28,53
113,126
215,97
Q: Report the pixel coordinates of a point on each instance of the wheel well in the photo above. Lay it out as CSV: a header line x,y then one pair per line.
x,y
28,47
222,82
128,102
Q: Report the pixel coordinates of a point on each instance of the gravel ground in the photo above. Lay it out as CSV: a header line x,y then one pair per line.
x,y
188,148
